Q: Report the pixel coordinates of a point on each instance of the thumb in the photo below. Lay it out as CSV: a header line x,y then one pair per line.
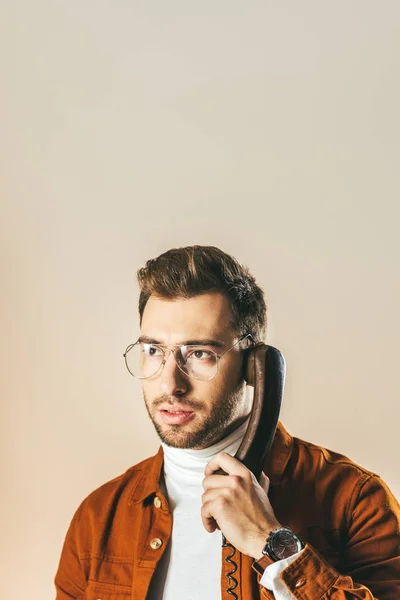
x,y
264,482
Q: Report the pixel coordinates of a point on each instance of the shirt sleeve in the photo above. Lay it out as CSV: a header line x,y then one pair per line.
x,y
370,565
70,580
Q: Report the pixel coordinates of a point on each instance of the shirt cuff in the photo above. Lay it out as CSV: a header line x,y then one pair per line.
x,y
308,571
271,577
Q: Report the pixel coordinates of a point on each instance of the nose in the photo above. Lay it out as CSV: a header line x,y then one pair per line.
x,y
172,381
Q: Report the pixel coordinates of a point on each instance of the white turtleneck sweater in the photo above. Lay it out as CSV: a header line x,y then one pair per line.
x,y
180,575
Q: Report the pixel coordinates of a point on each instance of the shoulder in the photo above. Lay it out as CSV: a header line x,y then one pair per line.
x,y
318,457
105,522
118,491
323,474
331,483
314,470
327,470
295,459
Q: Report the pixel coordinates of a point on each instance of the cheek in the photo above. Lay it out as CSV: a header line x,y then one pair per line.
x,y
231,375
148,391
220,386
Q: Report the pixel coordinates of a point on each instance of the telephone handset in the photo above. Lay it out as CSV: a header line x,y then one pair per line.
x,y
265,371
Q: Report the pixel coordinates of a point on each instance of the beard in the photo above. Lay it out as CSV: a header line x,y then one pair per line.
x,y
225,412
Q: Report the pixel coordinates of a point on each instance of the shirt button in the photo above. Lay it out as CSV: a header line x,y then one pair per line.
x,y
300,582
156,543
157,502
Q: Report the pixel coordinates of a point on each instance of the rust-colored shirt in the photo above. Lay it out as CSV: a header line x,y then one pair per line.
x,y
347,516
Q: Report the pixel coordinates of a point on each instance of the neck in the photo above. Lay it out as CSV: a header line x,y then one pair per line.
x,y
229,443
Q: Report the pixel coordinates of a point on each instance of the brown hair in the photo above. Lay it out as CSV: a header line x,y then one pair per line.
x,y
193,270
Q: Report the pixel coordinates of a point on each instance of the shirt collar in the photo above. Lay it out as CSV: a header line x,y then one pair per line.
x,y
279,454
148,482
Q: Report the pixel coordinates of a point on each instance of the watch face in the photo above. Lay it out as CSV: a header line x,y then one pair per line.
x,y
285,543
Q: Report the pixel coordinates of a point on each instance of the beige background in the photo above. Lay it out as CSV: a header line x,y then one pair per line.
x,y
270,129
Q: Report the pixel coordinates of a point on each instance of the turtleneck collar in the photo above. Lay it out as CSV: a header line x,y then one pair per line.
x,y
193,462
147,483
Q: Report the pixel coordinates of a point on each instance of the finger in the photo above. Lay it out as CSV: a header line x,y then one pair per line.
x,y
264,482
227,463
213,494
220,481
209,523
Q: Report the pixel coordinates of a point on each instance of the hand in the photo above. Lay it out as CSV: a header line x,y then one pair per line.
x,y
237,504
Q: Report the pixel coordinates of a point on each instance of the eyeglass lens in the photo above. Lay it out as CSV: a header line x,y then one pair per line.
x,y
144,360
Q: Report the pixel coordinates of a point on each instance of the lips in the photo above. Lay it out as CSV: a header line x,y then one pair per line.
x,y
176,416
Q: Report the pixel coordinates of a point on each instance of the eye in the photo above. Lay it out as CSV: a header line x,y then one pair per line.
x,y
150,350
200,354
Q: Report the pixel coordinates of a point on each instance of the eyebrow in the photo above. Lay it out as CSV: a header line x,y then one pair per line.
x,y
144,339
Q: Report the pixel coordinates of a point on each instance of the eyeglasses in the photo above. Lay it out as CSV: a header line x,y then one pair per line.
x,y
144,360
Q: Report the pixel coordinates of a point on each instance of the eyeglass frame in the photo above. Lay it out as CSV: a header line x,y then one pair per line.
x,y
179,347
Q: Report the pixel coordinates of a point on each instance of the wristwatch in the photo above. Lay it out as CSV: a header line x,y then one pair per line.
x,y
282,543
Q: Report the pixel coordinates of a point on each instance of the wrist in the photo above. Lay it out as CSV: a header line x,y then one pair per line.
x,y
257,547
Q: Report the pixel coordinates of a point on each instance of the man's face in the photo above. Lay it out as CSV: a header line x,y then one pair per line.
x,y
211,409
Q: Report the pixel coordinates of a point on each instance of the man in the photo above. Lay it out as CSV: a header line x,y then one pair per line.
x,y
316,527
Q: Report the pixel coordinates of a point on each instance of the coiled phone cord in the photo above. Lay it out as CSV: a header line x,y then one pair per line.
x,y
232,581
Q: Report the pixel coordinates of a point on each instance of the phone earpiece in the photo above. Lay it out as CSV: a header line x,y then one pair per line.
x,y
249,367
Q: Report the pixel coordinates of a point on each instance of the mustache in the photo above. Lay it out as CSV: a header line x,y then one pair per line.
x,y
195,404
